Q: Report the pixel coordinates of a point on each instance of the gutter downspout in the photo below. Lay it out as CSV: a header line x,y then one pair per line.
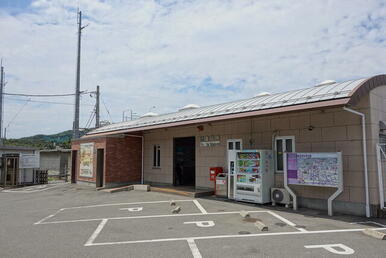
x,y
142,154
364,157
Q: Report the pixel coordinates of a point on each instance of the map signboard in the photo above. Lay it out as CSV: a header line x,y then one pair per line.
x,y
86,159
314,169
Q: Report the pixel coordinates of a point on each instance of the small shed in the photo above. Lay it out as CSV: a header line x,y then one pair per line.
x,y
17,165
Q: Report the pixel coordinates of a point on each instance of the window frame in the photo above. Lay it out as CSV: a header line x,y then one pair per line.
x,y
156,156
283,138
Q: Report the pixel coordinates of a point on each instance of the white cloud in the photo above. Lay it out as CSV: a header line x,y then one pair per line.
x,y
169,53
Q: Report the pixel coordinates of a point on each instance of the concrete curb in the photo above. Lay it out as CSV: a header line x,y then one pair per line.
x,y
145,188
118,189
244,214
374,234
176,210
261,226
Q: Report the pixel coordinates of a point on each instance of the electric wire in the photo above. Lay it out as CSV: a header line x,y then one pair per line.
x,y
108,112
17,113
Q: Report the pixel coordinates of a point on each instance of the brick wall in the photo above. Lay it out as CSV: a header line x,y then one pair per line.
x,y
99,143
123,160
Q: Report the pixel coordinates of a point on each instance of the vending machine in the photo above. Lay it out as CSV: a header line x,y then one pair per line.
x,y
254,176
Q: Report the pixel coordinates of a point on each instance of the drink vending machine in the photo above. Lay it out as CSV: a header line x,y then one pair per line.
x,y
254,176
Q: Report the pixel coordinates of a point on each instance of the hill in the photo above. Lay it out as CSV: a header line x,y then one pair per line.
x,y
43,141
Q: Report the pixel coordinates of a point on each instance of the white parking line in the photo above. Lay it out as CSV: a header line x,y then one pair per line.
x,y
26,190
146,217
370,222
233,236
122,203
96,232
286,221
199,206
193,248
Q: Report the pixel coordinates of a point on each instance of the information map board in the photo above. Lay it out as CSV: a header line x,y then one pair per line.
x,y
315,169
86,159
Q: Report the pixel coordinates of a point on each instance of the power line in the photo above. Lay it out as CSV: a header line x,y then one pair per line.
x,y
18,112
43,95
108,112
49,102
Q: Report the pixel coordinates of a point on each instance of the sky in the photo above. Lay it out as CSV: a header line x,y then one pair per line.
x,y
159,55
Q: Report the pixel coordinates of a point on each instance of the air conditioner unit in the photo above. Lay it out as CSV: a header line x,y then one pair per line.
x,y
280,195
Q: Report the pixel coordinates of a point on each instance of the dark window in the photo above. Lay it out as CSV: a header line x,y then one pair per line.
x,y
230,145
238,146
156,156
279,155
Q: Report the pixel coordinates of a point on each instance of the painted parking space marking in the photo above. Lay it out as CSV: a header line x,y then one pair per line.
x,y
132,209
370,222
33,189
201,224
105,233
199,206
339,249
119,211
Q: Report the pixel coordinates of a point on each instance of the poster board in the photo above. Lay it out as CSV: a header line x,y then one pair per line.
x,y
86,159
314,169
29,160
322,169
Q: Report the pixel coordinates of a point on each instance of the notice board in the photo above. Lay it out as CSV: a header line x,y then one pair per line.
x,y
314,169
29,160
86,159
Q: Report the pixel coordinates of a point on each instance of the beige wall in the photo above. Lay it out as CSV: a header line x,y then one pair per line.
x,y
334,130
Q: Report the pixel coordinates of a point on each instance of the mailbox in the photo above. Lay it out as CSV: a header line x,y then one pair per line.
x,y
213,172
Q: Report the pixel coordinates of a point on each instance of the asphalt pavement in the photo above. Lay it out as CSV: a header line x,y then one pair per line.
x,y
67,220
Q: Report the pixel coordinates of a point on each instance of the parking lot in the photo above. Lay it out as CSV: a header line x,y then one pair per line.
x,y
77,221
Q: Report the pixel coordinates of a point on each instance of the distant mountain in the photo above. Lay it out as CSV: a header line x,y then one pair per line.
x,y
43,141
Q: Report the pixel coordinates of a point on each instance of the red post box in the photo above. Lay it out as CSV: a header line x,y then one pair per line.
x,y
213,172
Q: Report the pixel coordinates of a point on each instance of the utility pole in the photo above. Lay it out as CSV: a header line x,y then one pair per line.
x,y
1,100
76,133
97,123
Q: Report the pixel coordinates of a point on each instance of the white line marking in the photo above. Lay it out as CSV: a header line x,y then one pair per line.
x,y
345,250
201,224
46,218
286,221
369,222
123,203
193,248
149,216
199,206
233,236
96,233
30,191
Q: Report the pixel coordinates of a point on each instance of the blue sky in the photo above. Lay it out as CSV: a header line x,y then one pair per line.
x,y
168,53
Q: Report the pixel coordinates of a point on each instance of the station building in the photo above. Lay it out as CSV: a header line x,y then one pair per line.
x,y
342,117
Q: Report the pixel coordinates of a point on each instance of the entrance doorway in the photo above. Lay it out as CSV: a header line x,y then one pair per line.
x,y
11,170
100,165
184,161
74,162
